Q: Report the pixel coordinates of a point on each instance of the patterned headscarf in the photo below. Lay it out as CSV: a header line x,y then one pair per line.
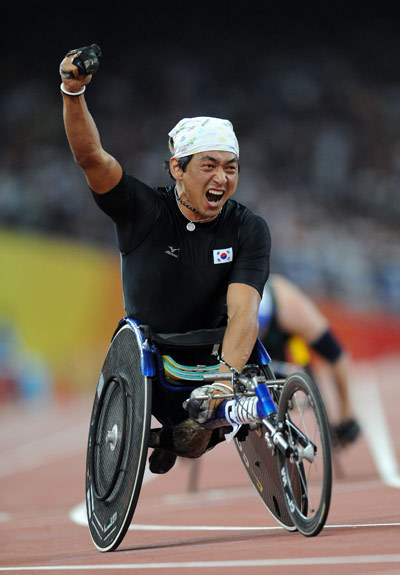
x,y
193,135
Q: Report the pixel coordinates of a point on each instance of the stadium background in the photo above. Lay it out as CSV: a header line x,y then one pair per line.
x,y
316,106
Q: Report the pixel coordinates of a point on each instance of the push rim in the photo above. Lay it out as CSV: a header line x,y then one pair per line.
x,y
109,447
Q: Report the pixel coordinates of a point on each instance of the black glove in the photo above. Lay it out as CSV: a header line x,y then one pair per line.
x,y
202,405
86,60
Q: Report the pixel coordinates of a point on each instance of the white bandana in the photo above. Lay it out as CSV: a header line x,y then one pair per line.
x,y
193,135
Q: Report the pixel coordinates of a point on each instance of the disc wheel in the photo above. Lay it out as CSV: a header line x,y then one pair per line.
x,y
260,464
303,421
259,461
117,443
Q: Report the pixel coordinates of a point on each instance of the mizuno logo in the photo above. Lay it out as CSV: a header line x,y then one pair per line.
x,y
171,251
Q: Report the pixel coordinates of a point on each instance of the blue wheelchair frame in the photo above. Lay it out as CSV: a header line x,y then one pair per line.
x,y
136,382
168,398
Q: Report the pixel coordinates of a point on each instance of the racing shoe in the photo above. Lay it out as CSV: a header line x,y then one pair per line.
x,y
161,461
346,432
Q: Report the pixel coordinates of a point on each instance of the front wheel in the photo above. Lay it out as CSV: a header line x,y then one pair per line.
x,y
304,423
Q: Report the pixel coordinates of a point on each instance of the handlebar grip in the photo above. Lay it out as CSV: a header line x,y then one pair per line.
x,y
210,377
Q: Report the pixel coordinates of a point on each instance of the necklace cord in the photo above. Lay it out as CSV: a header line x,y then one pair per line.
x,y
184,203
193,222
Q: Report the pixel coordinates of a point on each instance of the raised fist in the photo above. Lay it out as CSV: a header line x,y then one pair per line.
x,y
78,66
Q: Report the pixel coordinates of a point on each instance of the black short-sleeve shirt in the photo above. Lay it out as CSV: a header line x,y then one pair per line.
x,y
175,280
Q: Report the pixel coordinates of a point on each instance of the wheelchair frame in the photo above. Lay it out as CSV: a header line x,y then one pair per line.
x,y
280,483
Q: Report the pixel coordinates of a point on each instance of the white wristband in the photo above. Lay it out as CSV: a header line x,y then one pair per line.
x,y
71,93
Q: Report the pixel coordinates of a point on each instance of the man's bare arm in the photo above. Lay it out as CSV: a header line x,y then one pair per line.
x,y
239,340
241,333
102,170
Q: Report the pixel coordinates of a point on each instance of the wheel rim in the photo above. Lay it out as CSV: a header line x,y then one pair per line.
x,y
117,442
309,458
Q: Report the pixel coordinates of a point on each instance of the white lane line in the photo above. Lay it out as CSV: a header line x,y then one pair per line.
x,y
209,496
78,513
370,412
138,527
78,516
44,450
294,561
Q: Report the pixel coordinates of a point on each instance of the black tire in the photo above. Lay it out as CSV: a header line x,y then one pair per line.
x,y
303,420
117,443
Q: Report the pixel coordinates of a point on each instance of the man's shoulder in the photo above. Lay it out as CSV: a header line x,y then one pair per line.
x,y
238,207
164,191
243,213
135,182
132,197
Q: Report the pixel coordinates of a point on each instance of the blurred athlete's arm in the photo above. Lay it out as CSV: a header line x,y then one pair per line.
x,y
298,315
102,170
296,312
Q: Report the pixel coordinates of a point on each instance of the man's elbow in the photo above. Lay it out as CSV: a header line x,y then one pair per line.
x,y
88,160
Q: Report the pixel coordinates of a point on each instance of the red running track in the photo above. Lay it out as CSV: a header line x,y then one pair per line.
x,y
201,518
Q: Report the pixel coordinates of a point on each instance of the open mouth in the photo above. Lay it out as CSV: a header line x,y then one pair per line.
x,y
214,197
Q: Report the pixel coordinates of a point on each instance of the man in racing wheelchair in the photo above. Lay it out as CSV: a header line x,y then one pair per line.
x,y
192,258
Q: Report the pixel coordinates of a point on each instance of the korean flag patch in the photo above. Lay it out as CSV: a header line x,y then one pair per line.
x,y
223,256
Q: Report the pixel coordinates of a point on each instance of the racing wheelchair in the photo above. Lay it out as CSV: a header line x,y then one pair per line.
x,y
285,448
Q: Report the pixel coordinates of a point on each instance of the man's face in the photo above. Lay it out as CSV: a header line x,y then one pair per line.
x,y
209,181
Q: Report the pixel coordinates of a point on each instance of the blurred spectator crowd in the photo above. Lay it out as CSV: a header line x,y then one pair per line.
x,y
319,131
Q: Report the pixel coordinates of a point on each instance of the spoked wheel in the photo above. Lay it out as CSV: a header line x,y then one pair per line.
x,y
303,419
117,444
